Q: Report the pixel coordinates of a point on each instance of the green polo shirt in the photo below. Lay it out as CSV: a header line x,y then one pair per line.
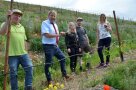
x,y
17,40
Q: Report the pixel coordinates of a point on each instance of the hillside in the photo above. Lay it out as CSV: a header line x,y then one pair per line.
x,y
34,15
32,18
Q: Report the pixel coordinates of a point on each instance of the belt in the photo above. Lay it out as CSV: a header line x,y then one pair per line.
x,y
49,44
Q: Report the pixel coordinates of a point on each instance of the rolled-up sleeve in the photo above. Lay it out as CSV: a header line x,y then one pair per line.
x,y
44,28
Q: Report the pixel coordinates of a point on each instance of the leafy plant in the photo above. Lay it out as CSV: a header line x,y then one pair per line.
x,y
36,45
123,77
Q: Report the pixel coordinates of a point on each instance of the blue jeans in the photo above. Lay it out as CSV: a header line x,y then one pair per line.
x,y
26,63
50,51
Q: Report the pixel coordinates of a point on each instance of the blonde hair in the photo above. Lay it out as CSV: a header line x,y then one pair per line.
x,y
73,25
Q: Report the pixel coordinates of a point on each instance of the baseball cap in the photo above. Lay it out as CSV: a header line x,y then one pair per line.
x,y
17,11
79,19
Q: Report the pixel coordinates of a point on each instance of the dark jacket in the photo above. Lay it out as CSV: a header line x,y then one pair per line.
x,y
71,39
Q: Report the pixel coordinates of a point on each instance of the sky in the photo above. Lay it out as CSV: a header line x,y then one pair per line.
x,y
124,8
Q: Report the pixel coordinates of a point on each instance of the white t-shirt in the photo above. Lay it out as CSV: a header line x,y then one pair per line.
x,y
103,33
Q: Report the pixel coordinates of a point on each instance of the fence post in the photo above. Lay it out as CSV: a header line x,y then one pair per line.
x,y
119,41
7,50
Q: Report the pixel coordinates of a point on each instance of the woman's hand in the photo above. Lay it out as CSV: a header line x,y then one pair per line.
x,y
80,49
69,51
105,25
108,27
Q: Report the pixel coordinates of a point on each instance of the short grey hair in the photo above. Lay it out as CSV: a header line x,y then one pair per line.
x,y
52,12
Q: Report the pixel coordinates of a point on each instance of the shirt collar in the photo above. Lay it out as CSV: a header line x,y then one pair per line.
x,y
50,21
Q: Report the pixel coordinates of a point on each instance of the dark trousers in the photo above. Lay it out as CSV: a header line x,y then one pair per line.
x,y
104,43
50,51
73,57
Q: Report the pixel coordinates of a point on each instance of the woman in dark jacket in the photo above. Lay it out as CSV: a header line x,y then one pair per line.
x,y
73,47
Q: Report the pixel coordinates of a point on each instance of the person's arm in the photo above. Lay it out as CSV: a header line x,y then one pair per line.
x,y
97,35
45,31
62,33
67,43
4,27
87,38
67,40
26,45
108,28
48,35
26,42
97,38
79,45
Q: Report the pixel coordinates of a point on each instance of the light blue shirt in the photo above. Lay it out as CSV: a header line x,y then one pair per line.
x,y
47,27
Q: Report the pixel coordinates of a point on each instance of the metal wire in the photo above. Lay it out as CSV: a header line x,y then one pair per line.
x,y
113,44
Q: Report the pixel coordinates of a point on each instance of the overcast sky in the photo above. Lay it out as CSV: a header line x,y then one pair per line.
x,y
123,8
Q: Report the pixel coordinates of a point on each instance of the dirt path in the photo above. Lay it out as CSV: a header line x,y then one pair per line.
x,y
81,81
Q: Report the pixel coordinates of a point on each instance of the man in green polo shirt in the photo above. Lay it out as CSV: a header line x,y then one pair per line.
x,y
17,50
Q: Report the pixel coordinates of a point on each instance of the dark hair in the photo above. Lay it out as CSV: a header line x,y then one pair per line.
x,y
103,16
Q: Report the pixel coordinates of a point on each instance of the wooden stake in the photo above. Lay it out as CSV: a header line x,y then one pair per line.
x,y
119,41
7,51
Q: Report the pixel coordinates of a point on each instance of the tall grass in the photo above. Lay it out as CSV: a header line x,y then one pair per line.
x,y
123,77
32,18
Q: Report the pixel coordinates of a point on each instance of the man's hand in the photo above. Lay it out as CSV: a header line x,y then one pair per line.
x,y
9,13
4,28
62,33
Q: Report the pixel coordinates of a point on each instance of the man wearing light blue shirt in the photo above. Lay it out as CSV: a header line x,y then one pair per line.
x,y
50,37
47,29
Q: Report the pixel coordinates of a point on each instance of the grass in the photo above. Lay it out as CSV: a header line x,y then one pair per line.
x,y
32,18
82,80
123,77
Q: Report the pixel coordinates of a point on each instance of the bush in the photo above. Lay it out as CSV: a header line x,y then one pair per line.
x,y
36,45
123,77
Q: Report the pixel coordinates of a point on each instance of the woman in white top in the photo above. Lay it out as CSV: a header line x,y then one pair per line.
x,y
104,39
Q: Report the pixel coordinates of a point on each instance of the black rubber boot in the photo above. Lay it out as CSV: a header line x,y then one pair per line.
x,y
81,69
88,66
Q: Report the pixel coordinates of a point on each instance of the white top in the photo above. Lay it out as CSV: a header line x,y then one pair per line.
x,y
47,27
103,33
